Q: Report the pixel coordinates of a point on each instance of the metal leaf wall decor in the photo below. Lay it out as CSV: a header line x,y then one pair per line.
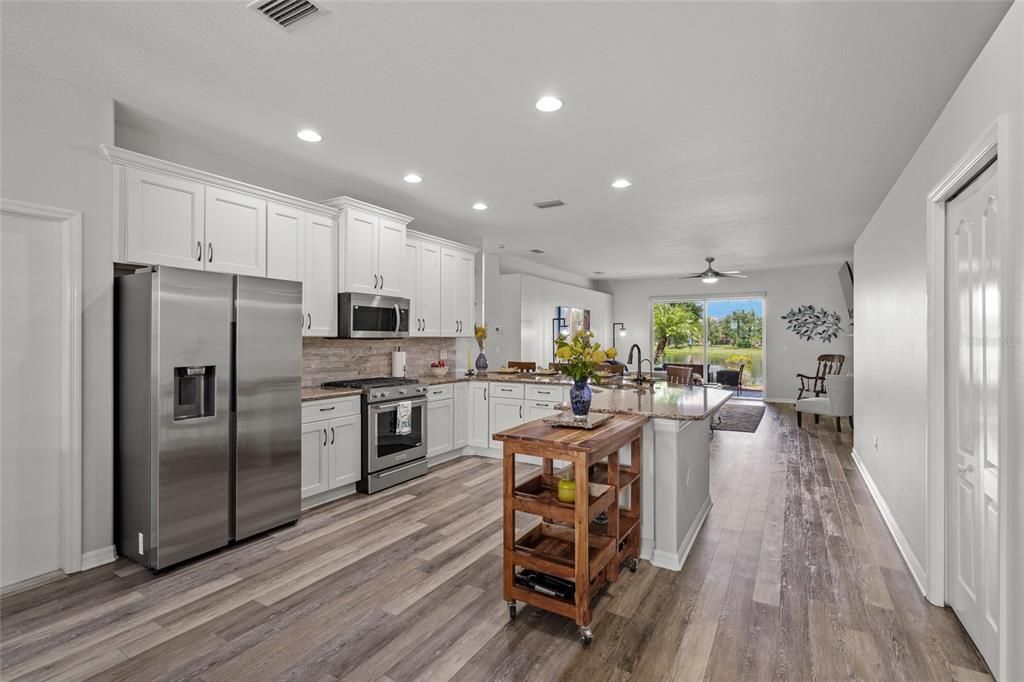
x,y
810,323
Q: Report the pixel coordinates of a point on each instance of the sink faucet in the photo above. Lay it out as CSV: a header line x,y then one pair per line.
x,y
635,348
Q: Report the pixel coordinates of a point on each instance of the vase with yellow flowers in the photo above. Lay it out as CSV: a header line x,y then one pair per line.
x,y
480,334
581,356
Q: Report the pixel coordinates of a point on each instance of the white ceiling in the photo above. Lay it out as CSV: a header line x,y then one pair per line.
x,y
763,133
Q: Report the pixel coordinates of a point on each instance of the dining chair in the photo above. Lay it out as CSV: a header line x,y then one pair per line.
x,y
678,374
827,364
837,401
525,366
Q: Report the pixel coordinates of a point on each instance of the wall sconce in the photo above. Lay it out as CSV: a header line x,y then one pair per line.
x,y
621,332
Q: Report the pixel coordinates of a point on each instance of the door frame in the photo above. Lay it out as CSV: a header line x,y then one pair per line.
x,y
993,143
70,395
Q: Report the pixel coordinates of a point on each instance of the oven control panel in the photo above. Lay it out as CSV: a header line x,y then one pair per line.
x,y
376,395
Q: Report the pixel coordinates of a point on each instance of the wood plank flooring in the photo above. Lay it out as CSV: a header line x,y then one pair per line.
x,y
793,577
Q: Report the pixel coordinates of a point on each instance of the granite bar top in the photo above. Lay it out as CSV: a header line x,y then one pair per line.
x,y
520,378
310,393
662,401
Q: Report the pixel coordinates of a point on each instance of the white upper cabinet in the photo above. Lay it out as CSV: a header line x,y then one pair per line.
x,y
286,243
390,255
302,247
429,306
320,286
411,283
457,284
360,252
169,214
371,248
164,220
236,233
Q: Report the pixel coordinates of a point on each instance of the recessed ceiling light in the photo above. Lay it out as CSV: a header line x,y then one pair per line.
x,y
480,206
413,178
621,183
548,103
308,135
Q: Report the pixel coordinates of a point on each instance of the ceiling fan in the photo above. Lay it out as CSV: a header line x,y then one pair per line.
x,y
710,275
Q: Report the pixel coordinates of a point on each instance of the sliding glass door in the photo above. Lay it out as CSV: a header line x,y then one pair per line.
x,y
711,334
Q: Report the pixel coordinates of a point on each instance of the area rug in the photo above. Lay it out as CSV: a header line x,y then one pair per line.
x,y
739,417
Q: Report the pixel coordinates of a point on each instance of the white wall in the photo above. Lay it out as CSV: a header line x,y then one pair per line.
x,y
523,310
785,353
891,297
50,137
512,265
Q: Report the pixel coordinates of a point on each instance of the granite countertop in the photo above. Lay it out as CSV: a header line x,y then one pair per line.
x,y
663,401
320,393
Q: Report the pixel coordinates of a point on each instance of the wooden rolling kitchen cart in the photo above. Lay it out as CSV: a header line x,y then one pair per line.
x,y
566,542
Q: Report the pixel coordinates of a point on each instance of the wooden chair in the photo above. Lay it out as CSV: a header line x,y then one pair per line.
x,y
733,378
678,374
614,368
696,369
828,364
524,366
838,403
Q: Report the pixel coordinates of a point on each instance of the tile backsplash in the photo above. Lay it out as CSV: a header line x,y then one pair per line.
x,y
331,359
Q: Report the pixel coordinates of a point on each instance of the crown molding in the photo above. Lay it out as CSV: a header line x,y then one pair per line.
x,y
128,158
341,203
441,241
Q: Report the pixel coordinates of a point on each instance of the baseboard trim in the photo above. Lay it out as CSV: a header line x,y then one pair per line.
x,y
674,561
909,558
99,557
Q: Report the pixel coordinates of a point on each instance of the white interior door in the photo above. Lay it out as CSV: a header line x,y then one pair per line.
x,y
34,375
973,330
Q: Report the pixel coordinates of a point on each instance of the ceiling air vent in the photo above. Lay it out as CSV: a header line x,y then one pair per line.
x,y
550,204
284,13
536,250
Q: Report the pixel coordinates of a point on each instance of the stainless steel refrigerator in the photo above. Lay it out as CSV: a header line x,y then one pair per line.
x,y
208,393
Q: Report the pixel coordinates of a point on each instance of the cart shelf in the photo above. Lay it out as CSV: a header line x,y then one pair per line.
x,y
627,475
551,548
539,495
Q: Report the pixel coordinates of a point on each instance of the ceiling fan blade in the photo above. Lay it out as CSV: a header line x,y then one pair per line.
x,y
726,274
729,272
694,276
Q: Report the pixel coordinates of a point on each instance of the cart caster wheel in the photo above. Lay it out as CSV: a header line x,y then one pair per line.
x,y
512,611
631,565
586,635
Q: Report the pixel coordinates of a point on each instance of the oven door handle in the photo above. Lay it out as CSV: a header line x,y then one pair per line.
x,y
392,405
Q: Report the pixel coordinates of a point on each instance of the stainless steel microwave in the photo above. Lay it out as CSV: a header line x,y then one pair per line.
x,y
367,316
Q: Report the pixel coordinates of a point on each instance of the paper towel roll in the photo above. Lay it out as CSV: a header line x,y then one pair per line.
x,y
398,363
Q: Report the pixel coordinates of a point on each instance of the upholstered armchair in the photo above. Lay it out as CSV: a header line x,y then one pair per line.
x,y
837,401
827,364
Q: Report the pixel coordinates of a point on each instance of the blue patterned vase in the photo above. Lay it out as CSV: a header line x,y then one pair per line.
x,y
481,362
579,397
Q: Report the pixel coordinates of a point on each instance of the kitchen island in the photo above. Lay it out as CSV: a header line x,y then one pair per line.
x,y
675,461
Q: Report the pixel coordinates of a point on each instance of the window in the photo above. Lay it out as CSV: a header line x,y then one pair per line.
x,y
711,334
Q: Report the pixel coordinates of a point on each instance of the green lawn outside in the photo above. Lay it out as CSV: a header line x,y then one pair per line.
x,y
753,373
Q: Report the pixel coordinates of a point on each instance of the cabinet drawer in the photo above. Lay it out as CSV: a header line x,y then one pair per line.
x,y
545,393
440,392
330,408
503,390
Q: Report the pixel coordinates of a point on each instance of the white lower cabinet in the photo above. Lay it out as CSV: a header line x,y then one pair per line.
x,y
504,414
537,409
440,427
345,443
461,421
316,450
478,415
331,445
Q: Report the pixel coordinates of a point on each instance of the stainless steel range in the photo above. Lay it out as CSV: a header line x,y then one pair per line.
x,y
394,430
